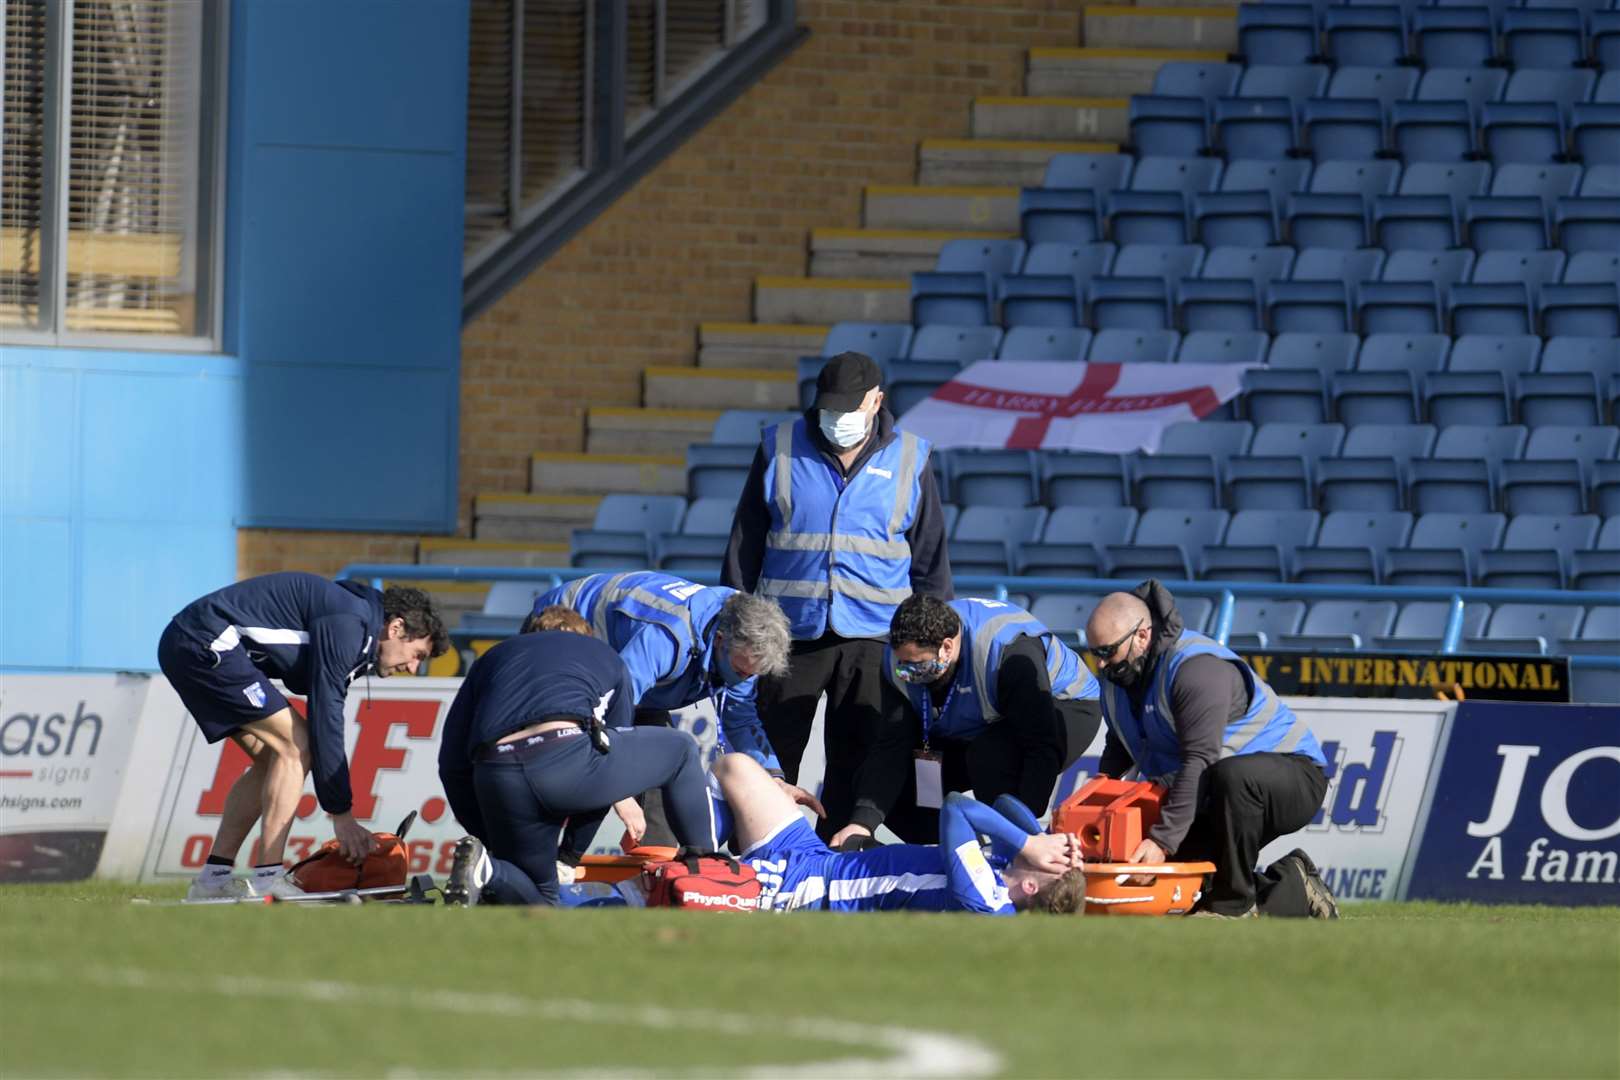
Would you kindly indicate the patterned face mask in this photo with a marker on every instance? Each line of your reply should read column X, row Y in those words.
column 920, row 672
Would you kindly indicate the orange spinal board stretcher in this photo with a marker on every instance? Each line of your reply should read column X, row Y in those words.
column 1173, row 891
column 612, row 869
column 1112, row 817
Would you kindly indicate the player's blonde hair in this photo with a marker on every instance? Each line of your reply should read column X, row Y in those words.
column 557, row 617
column 1065, row 895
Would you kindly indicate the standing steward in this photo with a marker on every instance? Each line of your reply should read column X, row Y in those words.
column 986, row 699
column 220, row 653
column 840, row 521
column 1240, row 767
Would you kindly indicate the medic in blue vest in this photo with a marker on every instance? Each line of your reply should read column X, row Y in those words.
column 1240, row 767
column 984, row 698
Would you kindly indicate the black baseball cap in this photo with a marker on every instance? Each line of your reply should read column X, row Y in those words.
column 845, row 380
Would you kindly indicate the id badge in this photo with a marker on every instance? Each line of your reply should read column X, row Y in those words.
column 930, row 782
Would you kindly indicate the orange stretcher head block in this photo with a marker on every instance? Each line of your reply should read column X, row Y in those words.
column 1109, row 816
column 612, row 869
column 1173, row 891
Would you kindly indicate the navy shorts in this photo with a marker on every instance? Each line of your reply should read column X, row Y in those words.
column 222, row 690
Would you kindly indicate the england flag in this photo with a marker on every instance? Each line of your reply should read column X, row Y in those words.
column 1109, row 408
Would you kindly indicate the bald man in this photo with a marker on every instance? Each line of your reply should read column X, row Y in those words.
column 1240, row 768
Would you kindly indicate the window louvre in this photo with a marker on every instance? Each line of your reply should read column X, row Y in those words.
column 489, row 120
column 22, row 156
column 555, row 70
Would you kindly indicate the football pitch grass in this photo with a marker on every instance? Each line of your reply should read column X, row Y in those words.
column 91, row 985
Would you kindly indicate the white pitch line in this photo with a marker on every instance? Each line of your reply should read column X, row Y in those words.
column 902, row 1052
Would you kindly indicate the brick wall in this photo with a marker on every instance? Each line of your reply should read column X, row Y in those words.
column 736, row 201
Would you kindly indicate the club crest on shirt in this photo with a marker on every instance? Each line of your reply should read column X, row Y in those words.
column 255, row 695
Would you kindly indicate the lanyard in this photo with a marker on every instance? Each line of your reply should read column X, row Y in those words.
column 927, row 708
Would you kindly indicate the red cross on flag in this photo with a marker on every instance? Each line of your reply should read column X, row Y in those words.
column 1111, row 408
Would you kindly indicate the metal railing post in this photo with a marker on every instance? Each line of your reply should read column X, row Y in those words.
column 1223, row 617
column 1454, row 627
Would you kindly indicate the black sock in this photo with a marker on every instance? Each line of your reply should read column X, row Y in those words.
column 220, row 860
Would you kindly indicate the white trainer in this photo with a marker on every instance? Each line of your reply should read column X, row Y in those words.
column 277, row 885
column 218, row 887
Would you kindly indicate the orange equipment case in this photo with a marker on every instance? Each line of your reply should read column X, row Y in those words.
column 1111, row 817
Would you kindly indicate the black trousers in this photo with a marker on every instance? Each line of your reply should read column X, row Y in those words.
column 850, row 672
column 1244, row 803
column 990, row 767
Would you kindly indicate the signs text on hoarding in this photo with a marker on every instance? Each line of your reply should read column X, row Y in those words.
column 1508, row 678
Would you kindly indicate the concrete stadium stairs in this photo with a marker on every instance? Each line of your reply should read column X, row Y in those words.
column 1076, row 102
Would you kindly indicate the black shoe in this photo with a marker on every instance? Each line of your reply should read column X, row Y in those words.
column 469, row 873
column 1318, row 897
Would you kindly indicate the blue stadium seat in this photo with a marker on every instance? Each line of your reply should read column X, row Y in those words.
column 1473, row 85
column 992, row 258
column 1168, row 125
column 742, row 427
column 1196, row 79
column 1351, row 547
column 959, row 298
column 1219, row 439
column 881, row 341
column 717, row 470
column 1177, row 481
column 1604, row 481
column 710, row 516
column 1147, row 217
column 1465, row 397
column 681, row 553
column 1545, row 182
column 1241, row 218
column 1374, row 397
column 1454, row 37
column 643, row 514
column 1402, row 442
column 1510, row 355
column 1044, row 300
column 1325, row 353
column 1044, row 343
column 1277, row 178
column 1421, row 624
column 1590, row 267
column 1118, row 346
column 1529, row 132
column 1260, row 265
column 1525, row 628
column 1415, row 353
column 1258, row 623
column 1336, row 264
column 1058, row 216
column 912, row 381
column 1542, row 487
column 993, row 477
column 1170, row 263
column 1443, row 549
column 1342, row 129
column 1095, row 526
column 1499, row 308
column 1381, row 84
column 1415, row 222
column 1128, row 303
column 1293, row 396
column 1223, row 347
column 1459, row 179
column 980, row 529
column 1082, row 262
column 1398, row 307
column 1359, row 482
column 1221, row 304
column 1329, row 221
column 1450, row 486
column 1580, row 311
column 1184, row 175
column 1568, row 398
column 1543, row 37
column 1065, row 612
column 1532, row 268
column 1505, row 222
column 1607, row 90
column 1599, row 356
column 1563, row 87
column 1276, row 33
column 1490, row 444
column 1424, row 130
column 1341, row 624
column 1595, row 133
column 1259, row 545
column 1082, row 480
column 1591, row 571
column 1097, row 173
column 961, row 344
column 1313, row 307
column 1037, row 558
column 1586, row 223
column 1365, row 178
column 1605, row 32
column 1294, row 81
column 1167, row 543
column 1374, row 36
column 1443, row 268
column 1535, row 551
column 1602, row 623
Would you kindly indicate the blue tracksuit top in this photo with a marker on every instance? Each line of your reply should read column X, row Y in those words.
column 518, row 682
column 315, row 635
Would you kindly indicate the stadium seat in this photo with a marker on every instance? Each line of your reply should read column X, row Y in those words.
column 1195, row 79
column 1168, row 543
column 1351, row 546
column 1218, row 439
column 1277, row 33
column 992, row 258
column 1454, row 37
column 1602, row 623
column 1443, row 268
column 1403, row 442
column 1469, row 84
column 1593, row 571
column 1450, row 485
column 1502, row 308
column 1341, row 624
column 1499, row 223
column 1175, row 481
column 1542, row 487
column 1465, row 397
column 1310, row 307
column 1097, row 173
column 1585, row 444
column 1308, row 441
column 1275, row 178
column 1490, row 444
column 1415, row 353
column 1415, row 222
column 1325, row 353
column 1057, row 216
column 1459, row 180
column 1565, row 398
column 1147, row 217
column 1562, row 87
column 1128, row 303
column 1260, row 265
column 1044, row 343
column 1374, row 397
column 1595, row 133
column 912, row 381
column 1043, row 300
column 1222, row 347
column 980, row 529
column 1364, row 482
column 1094, row 527
column 1443, row 549
column 1533, row 268
column 1118, row 346
column 1082, row 262
column 709, row 516
column 1365, row 178
column 1381, row 84
column 1268, row 483
column 1342, row 129
column 1284, row 396
column 1421, row 626
column 1509, row 354
column 1605, row 34
column 1237, row 218
column 682, row 553
column 1525, row 628
column 1432, row 130
column 881, row 341
column 1168, row 125
column 1529, row 132
column 1547, row 183
column 1225, row 304
column 1372, row 35
column 1064, row 613
column 1174, row 174
column 959, row 344
column 1169, row 263
column 1535, row 551
column 1586, row 223
column 1326, row 220
column 959, row 298
column 716, row 470
column 1580, row 310
column 1038, row 558
column 1604, row 484
column 1398, row 307
column 1599, row 356
column 1257, row 623
column 1543, row 37
column 1591, row 268
column 742, row 427
column 1082, row 480
column 993, row 477
column 1259, row 545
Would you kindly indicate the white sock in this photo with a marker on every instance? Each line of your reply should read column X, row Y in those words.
column 214, row 870
column 260, row 873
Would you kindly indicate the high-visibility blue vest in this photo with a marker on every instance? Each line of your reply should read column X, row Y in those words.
column 1269, row 726
column 837, row 553
column 617, row 604
column 988, row 627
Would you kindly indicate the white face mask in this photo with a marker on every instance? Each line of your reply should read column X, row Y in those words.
column 844, row 430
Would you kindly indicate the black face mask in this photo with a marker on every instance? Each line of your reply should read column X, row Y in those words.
column 1126, row 672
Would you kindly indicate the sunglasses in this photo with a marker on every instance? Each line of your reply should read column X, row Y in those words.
column 1103, row 652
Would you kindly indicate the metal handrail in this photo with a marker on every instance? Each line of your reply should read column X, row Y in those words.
column 1227, row 592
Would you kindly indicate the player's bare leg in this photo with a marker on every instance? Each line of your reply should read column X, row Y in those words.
column 269, row 790
column 757, row 802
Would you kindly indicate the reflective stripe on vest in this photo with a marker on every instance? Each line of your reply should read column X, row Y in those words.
column 617, row 592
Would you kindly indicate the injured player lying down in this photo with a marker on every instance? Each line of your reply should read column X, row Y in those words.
column 1027, row 870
